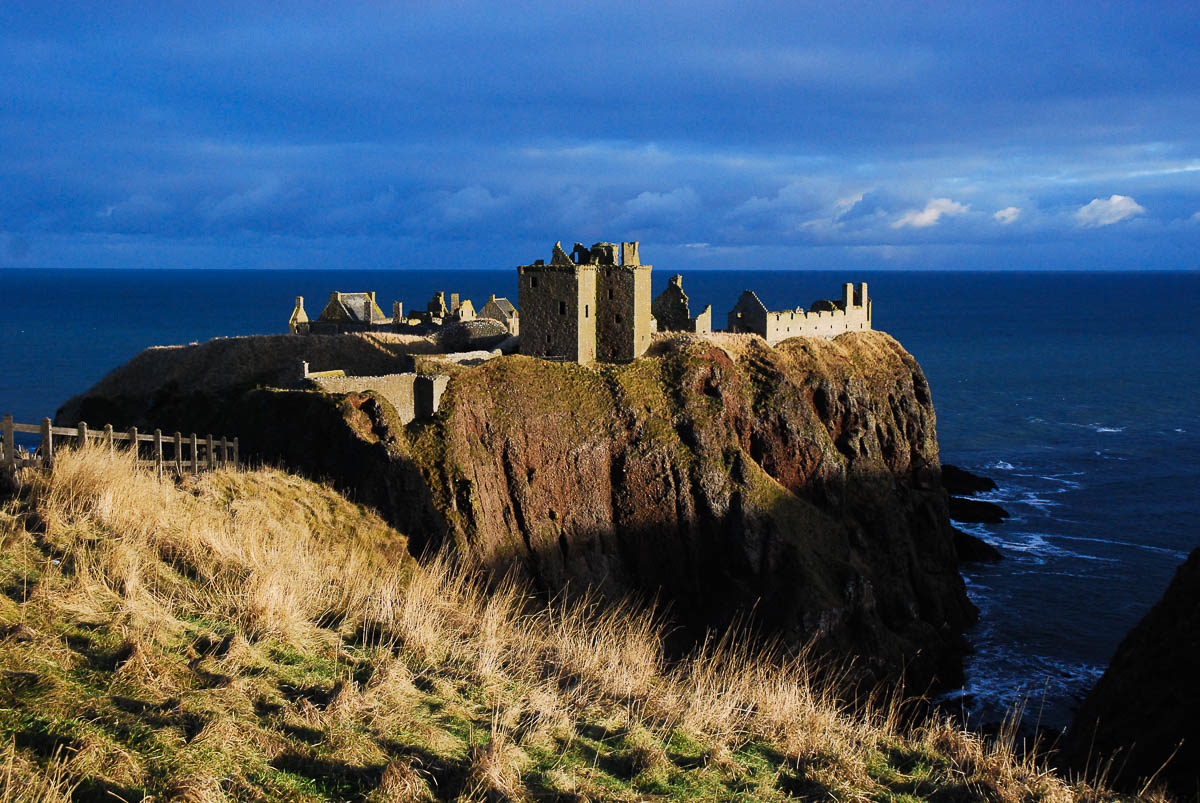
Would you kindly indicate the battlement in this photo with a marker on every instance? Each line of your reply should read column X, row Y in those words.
column 824, row 318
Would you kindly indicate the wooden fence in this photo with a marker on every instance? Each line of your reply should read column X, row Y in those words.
column 177, row 452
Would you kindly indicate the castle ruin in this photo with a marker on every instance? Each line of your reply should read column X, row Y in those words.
column 823, row 319
column 673, row 314
column 592, row 304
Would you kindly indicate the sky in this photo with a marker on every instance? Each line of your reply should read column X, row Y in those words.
column 997, row 135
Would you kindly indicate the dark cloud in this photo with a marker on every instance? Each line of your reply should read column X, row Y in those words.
column 351, row 132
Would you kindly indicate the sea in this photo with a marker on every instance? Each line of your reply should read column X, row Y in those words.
column 1078, row 392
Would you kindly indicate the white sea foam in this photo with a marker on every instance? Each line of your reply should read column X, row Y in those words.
column 1000, row 465
column 1062, row 480
column 1175, row 553
column 998, row 680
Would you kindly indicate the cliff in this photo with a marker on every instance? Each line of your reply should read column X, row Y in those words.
column 1143, row 712
column 719, row 475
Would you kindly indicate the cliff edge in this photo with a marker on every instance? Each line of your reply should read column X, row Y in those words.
column 1142, row 713
column 722, row 476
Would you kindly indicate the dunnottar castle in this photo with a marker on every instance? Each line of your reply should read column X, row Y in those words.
column 593, row 304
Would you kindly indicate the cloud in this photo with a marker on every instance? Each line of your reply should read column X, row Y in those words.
column 1196, row 217
column 1007, row 215
column 873, row 204
column 931, row 214
column 651, row 209
column 1105, row 213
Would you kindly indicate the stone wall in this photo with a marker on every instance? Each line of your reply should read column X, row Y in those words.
column 623, row 304
column 748, row 315
column 671, row 308
column 412, row 395
column 558, row 311
column 825, row 319
column 674, row 314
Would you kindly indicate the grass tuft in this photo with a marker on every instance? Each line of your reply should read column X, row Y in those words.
column 251, row 635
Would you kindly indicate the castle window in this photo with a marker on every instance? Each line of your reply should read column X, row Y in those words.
column 610, row 294
column 562, row 308
column 547, row 338
column 585, row 310
column 618, row 318
column 533, row 281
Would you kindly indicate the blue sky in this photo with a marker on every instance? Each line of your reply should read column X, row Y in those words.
column 725, row 135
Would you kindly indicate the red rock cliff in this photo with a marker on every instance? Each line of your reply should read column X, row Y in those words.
column 799, row 482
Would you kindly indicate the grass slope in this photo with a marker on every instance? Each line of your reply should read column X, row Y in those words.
column 254, row 636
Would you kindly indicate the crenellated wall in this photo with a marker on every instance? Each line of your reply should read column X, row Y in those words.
column 824, row 319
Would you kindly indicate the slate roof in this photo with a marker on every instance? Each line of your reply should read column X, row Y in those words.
column 503, row 304
column 356, row 307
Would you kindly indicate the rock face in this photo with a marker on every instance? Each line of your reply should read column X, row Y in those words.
column 720, row 476
column 959, row 482
column 1148, row 700
column 976, row 511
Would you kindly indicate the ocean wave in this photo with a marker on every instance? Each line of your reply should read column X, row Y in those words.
column 1094, row 426
column 998, row 681
column 1039, row 548
column 1000, row 465
column 1175, row 553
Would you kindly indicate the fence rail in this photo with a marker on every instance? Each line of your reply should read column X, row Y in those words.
column 176, row 452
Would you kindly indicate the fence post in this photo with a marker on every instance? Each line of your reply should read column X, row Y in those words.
column 212, row 463
column 178, row 454
column 47, row 443
column 133, row 445
column 108, row 437
column 83, row 434
column 235, row 450
column 195, row 454
column 10, row 444
column 158, row 451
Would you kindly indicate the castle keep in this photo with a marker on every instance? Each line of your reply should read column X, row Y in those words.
column 592, row 304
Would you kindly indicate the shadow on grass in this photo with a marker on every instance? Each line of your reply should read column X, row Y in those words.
column 342, row 779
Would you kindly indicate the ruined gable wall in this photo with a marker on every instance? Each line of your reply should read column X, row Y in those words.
column 671, row 309
column 748, row 316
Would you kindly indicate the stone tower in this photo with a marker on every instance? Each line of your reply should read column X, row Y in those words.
column 593, row 303
column 558, row 308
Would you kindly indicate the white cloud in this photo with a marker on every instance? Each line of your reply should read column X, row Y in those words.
column 1007, row 215
column 1105, row 213
column 1196, row 217
column 931, row 214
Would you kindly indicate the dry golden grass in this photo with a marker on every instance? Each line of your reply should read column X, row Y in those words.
column 22, row 781
column 287, row 646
